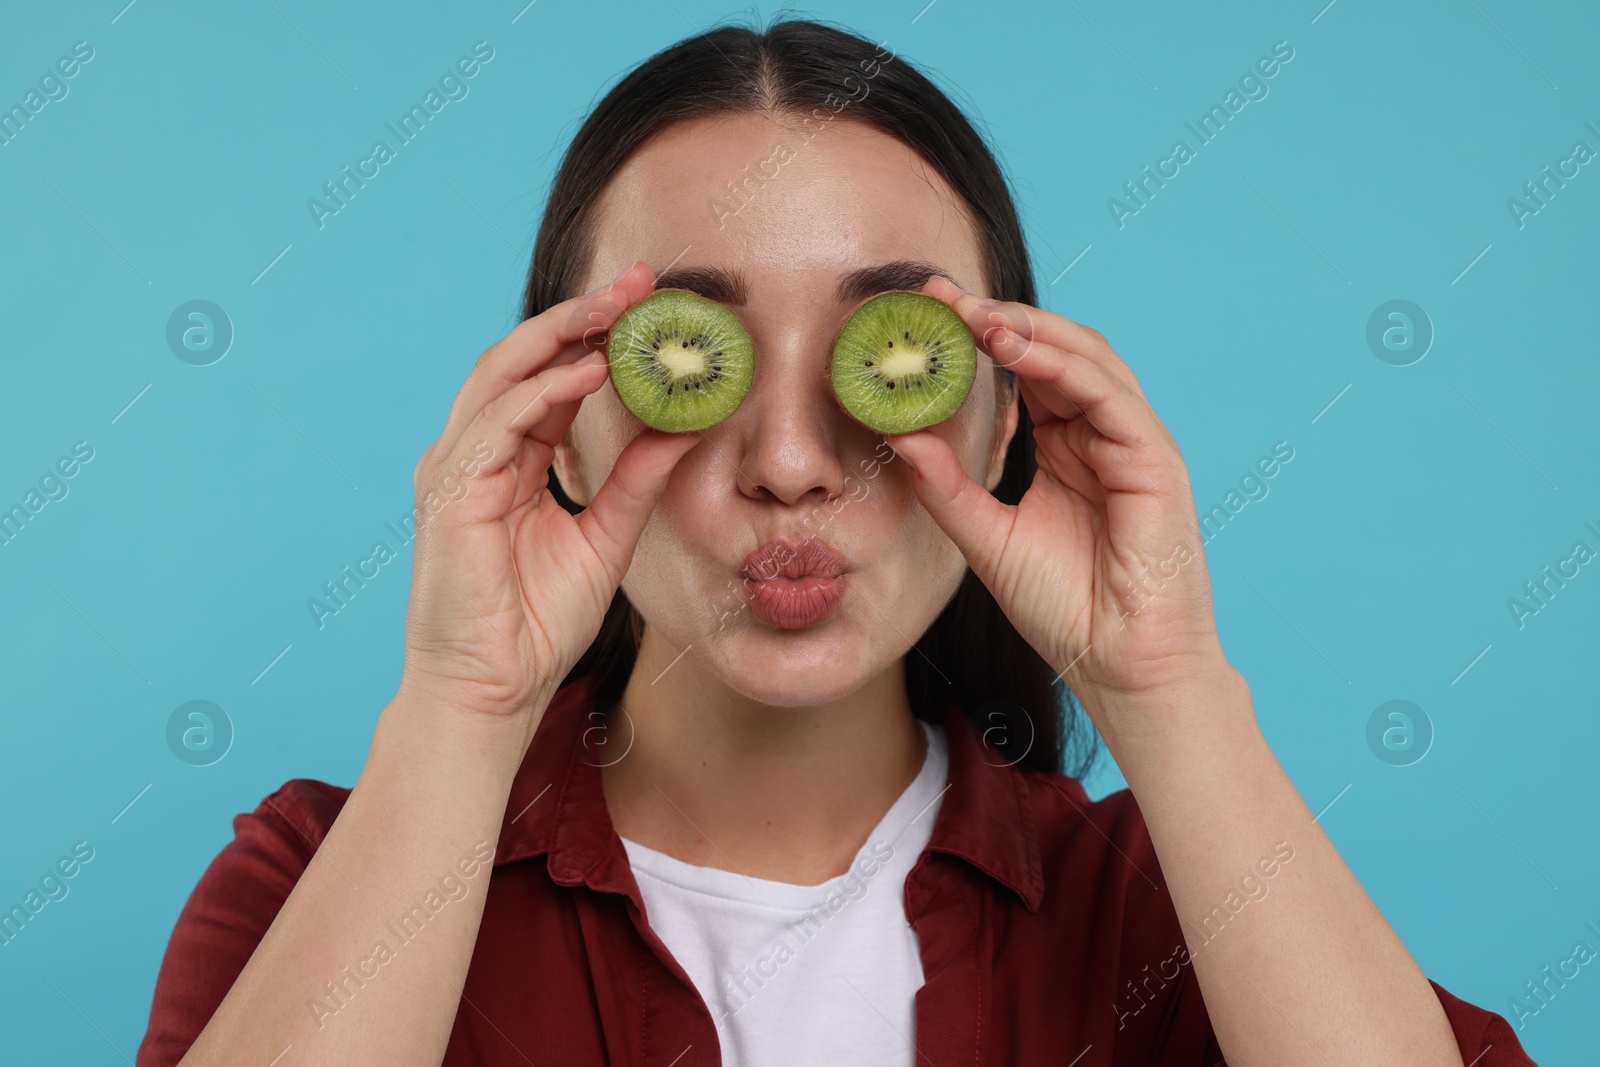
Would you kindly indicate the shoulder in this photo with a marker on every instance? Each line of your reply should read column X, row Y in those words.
column 230, row 909
column 1106, row 907
column 283, row 831
column 1103, row 881
column 303, row 807
column 271, row 848
column 1108, row 835
column 1105, row 892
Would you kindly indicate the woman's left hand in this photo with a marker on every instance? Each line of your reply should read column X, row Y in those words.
column 1101, row 566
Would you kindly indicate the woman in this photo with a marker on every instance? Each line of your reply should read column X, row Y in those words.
column 623, row 809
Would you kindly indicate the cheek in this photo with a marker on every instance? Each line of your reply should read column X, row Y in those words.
column 919, row 558
column 970, row 431
column 601, row 430
column 970, row 435
column 680, row 564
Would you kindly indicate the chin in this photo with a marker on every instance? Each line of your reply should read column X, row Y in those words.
column 792, row 668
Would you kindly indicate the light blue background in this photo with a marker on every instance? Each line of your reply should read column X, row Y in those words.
column 1378, row 567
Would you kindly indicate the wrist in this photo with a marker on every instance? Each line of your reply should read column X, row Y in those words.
column 1204, row 704
column 446, row 730
column 450, row 690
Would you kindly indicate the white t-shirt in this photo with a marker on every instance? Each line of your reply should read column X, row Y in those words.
column 805, row 974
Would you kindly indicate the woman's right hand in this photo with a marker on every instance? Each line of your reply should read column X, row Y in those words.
column 508, row 589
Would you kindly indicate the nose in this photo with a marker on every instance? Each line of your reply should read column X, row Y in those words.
column 788, row 432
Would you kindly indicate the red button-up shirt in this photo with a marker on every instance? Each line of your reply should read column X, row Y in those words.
column 1045, row 931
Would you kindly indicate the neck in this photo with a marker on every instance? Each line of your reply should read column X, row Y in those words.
column 789, row 794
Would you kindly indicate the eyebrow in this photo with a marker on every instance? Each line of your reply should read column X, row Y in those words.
column 730, row 286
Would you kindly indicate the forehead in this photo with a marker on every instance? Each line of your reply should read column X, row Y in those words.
column 790, row 206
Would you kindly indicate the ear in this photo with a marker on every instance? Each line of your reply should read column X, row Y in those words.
column 566, row 470
column 1005, row 429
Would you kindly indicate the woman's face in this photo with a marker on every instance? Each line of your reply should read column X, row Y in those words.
column 789, row 462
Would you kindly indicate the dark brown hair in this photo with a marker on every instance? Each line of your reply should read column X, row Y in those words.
column 798, row 67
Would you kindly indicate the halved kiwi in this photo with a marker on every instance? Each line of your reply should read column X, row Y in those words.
column 903, row 362
column 680, row 362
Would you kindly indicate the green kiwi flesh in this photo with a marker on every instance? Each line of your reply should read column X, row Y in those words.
column 679, row 361
column 903, row 362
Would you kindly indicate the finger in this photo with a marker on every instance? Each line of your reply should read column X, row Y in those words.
column 1038, row 415
column 563, row 333
column 1072, row 453
column 1063, row 445
column 1037, row 344
column 968, row 513
column 538, row 410
column 618, row 513
column 1033, row 324
column 1106, row 427
column 1047, row 406
column 1068, row 385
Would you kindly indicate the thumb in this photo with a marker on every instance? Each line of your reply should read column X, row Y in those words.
column 618, row 513
column 967, row 512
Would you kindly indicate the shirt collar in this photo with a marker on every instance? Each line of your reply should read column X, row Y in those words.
column 557, row 804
